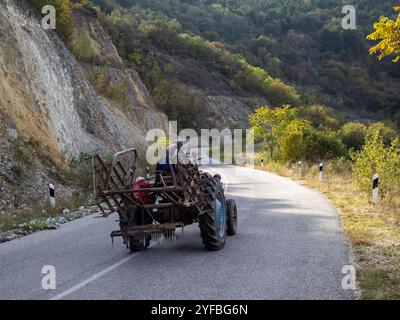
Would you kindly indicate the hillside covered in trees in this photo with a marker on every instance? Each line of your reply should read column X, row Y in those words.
column 300, row 42
column 216, row 63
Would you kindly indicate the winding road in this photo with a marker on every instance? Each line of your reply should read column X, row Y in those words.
column 290, row 245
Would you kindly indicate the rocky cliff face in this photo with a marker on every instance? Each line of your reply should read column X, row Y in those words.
column 49, row 109
column 136, row 106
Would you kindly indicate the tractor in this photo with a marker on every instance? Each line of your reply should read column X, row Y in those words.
column 176, row 195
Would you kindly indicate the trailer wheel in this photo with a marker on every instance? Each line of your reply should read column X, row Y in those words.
column 213, row 222
column 231, row 211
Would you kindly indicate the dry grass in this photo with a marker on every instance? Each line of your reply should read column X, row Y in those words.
column 12, row 220
column 373, row 230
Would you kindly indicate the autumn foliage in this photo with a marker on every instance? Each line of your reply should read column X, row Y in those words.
column 387, row 31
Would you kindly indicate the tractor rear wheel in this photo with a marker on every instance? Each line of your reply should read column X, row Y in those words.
column 138, row 243
column 213, row 222
column 231, row 211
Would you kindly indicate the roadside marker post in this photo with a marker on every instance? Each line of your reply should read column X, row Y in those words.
column 52, row 195
column 375, row 188
column 300, row 168
column 262, row 163
column 321, row 171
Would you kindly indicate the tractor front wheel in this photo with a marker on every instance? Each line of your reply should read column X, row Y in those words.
column 231, row 210
column 138, row 243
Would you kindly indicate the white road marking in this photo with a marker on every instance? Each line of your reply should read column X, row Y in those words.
column 96, row 276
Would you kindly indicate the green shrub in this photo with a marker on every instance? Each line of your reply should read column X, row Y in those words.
column 386, row 131
column 322, row 144
column 292, row 145
column 102, row 82
column 80, row 171
column 270, row 125
column 376, row 158
column 84, row 47
column 353, row 135
column 180, row 104
column 341, row 166
column 320, row 116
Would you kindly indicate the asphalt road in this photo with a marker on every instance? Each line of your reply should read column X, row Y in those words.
column 289, row 245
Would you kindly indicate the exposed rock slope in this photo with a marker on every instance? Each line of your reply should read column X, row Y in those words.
column 49, row 109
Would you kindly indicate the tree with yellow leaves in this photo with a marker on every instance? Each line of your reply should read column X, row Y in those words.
column 269, row 124
column 387, row 31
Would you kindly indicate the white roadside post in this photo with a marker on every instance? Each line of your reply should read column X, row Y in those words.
column 262, row 163
column 52, row 195
column 375, row 188
column 300, row 168
column 321, row 171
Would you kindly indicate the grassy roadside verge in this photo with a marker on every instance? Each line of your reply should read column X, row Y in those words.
column 70, row 205
column 17, row 224
column 36, row 213
column 373, row 230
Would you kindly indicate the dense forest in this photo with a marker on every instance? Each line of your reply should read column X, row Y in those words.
column 290, row 51
column 301, row 42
